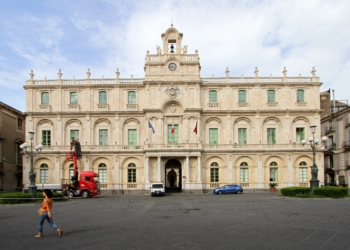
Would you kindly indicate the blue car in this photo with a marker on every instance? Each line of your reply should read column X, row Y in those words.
column 229, row 189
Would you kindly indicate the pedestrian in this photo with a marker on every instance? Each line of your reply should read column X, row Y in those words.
column 46, row 209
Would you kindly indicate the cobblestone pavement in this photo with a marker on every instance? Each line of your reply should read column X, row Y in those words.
column 183, row 221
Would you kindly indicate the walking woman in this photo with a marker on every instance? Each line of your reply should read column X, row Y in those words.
column 46, row 214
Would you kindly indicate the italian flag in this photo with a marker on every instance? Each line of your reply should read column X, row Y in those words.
column 173, row 128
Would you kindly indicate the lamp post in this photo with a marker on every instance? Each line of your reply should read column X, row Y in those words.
column 314, row 182
column 32, row 175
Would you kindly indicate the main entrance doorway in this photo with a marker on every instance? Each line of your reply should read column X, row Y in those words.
column 173, row 173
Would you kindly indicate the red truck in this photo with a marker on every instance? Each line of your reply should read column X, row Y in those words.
column 86, row 183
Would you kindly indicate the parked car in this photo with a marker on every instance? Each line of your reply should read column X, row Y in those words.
column 229, row 189
column 157, row 189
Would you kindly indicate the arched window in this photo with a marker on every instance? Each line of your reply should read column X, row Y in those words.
column 273, row 171
column 102, row 97
column 244, row 172
column 73, row 97
column 214, row 172
column 300, row 95
column 302, row 172
column 45, row 98
column 132, row 173
column 44, row 173
column 102, row 172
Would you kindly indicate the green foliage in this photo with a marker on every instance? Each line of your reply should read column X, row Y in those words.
column 295, row 191
column 273, row 184
column 334, row 192
column 18, row 198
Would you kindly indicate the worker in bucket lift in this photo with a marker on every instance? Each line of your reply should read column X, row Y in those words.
column 76, row 154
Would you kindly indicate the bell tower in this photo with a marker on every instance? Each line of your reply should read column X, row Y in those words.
column 172, row 41
column 172, row 63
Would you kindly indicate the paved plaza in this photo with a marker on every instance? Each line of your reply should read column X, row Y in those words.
column 183, row 221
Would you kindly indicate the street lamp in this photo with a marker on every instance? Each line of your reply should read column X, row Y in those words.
column 314, row 182
column 32, row 187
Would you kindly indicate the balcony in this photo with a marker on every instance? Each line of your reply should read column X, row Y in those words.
column 243, row 104
column 73, row 106
column 329, row 130
column 301, row 104
column 330, row 148
column 272, row 104
column 45, row 107
column 346, row 145
column 213, row 104
column 131, row 106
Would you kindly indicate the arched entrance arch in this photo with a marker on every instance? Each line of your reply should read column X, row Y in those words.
column 173, row 174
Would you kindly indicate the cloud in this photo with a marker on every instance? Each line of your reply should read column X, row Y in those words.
column 241, row 35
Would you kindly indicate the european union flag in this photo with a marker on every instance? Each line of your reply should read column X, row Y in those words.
column 151, row 127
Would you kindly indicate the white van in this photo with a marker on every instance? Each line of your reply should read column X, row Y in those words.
column 157, row 188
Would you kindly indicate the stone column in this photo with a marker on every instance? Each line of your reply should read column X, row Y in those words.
column 147, row 170
column 187, row 168
column 159, row 172
column 199, row 170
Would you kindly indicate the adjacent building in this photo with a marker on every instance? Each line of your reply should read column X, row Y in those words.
column 336, row 126
column 12, row 128
column 193, row 133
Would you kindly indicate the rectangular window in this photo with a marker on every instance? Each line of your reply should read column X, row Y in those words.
column 46, row 138
column 300, row 95
column 303, row 174
column 213, row 136
column 131, row 175
column 102, row 175
column 214, row 175
column 131, row 97
column 273, row 174
column 44, row 98
column 242, row 136
column 103, row 137
column 73, row 98
column 213, row 96
column 243, row 175
column 271, row 136
column 44, row 176
column 300, row 132
column 74, row 135
column 271, row 97
column 173, row 137
column 102, row 97
column 132, row 137
column 19, row 124
column 242, row 96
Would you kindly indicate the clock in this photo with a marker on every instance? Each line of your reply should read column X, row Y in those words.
column 172, row 66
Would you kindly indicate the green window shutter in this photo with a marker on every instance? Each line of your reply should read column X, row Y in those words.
column 302, row 134
column 102, row 97
column 132, row 137
column 271, row 97
column 74, row 135
column 242, row 97
column 300, row 95
column 173, row 138
column 242, row 136
column 271, row 136
column 73, row 98
column 46, row 137
column 131, row 97
column 213, row 96
column 45, row 98
column 213, row 136
column 103, row 137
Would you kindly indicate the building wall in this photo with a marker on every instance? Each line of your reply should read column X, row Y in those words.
column 181, row 97
column 12, row 127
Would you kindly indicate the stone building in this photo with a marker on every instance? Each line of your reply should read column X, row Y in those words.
column 335, row 124
column 191, row 132
column 12, row 127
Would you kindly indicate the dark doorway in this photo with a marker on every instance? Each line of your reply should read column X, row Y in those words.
column 173, row 175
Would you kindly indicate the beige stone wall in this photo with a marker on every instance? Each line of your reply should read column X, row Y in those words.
column 179, row 96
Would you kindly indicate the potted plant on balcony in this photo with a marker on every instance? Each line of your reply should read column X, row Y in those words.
column 273, row 186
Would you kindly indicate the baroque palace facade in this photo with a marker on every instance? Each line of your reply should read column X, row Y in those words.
column 191, row 133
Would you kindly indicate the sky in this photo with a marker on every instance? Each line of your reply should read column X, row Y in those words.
column 103, row 35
